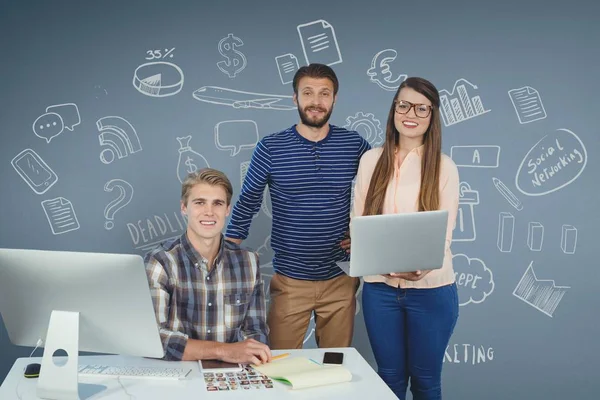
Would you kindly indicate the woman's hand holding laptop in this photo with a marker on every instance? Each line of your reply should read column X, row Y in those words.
column 409, row 276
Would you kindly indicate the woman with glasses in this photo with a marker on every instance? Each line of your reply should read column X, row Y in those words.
column 410, row 316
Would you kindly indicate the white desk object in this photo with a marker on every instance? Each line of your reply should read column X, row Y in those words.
column 365, row 382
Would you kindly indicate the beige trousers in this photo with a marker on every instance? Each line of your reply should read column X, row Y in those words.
column 294, row 300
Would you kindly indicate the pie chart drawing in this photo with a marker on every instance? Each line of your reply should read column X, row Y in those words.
column 158, row 79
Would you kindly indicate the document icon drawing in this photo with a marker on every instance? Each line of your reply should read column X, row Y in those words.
column 319, row 43
column 528, row 104
column 287, row 65
column 61, row 215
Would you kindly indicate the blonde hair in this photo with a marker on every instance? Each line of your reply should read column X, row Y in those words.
column 210, row 176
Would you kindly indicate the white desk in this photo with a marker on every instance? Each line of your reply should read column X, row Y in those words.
column 365, row 382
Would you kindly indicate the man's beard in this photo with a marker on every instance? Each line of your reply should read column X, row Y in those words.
column 316, row 123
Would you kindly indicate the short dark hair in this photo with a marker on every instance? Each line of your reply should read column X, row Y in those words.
column 316, row 71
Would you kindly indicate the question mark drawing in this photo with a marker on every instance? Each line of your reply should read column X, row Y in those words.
column 124, row 198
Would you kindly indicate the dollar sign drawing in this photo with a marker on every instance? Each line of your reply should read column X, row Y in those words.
column 191, row 167
column 236, row 60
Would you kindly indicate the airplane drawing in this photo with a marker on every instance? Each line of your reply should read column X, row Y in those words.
column 242, row 99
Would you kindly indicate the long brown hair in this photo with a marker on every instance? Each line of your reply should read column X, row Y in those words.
column 429, row 195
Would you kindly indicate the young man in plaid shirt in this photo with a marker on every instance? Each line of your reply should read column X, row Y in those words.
column 208, row 293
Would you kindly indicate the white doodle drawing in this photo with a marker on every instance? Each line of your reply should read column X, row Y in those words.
column 287, row 65
column 507, row 194
column 319, row 43
column 380, row 73
column 483, row 156
column 310, row 331
column 368, row 126
column 265, row 249
column 265, row 254
column 266, row 203
column 159, row 55
column 467, row 353
column 236, row 135
column 149, row 232
column 235, row 60
column 535, row 236
column 189, row 160
column 47, row 126
column 57, row 117
column 242, row 99
column 61, row 215
column 474, row 278
column 100, row 92
column 554, row 162
column 124, row 198
column 468, row 199
column 506, row 231
column 458, row 105
column 528, row 104
column 69, row 113
column 34, row 171
column 568, row 239
column 119, row 136
column 158, row 79
column 541, row 294
column 266, row 272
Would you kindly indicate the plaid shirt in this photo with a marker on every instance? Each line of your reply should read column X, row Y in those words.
column 225, row 304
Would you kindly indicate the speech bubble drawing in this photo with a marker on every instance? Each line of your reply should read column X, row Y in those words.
column 551, row 164
column 236, row 135
column 474, row 280
column 48, row 126
column 68, row 112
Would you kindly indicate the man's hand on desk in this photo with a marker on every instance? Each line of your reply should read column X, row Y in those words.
column 249, row 351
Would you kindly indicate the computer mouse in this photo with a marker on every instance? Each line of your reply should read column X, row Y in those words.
column 32, row 370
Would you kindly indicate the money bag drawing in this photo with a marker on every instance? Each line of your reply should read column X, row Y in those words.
column 189, row 160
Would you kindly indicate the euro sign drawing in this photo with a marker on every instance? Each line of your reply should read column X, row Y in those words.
column 236, row 61
column 380, row 70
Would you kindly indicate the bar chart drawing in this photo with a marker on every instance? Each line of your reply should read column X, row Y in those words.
column 541, row 294
column 459, row 105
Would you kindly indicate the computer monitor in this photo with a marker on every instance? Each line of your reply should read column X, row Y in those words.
column 76, row 301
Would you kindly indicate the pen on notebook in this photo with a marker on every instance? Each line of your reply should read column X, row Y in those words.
column 508, row 195
column 280, row 356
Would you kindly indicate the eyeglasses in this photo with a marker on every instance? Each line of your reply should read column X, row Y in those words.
column 421, row 110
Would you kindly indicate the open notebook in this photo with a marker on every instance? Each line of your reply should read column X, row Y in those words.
column 300, row 372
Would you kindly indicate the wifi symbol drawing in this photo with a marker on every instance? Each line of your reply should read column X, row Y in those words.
column 119, row 136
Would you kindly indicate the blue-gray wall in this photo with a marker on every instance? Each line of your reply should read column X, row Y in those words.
column 520, row 79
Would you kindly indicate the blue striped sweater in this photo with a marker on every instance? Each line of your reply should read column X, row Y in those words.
column 310, row 185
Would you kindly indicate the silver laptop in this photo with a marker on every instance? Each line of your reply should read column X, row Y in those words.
column 387, row 243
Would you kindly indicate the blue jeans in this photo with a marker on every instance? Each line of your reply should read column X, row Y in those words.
column 409, row 330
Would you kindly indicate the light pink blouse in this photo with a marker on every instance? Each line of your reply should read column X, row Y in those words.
column 402, row 197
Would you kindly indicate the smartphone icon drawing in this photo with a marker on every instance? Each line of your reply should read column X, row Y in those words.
column 34, row 171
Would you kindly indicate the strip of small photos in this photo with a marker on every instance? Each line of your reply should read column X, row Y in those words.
column 247, row 379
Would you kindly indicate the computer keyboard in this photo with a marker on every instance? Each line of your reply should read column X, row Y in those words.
column 106, row 371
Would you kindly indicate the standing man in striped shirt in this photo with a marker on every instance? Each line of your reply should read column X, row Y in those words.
column 309, row 169
column 208, row 293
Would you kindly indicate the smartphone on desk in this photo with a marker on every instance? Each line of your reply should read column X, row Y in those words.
column 333, row 358
column 220, row 366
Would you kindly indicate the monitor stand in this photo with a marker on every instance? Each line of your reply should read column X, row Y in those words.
column 60, row 382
